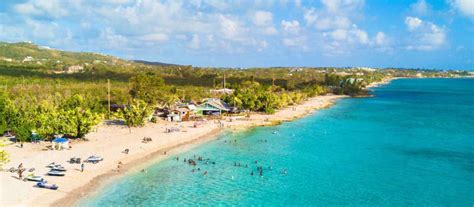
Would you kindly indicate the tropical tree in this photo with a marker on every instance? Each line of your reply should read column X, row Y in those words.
column 80, row 118
column 136, row 113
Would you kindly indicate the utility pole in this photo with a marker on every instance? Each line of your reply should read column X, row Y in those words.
column 223, row 86
column 108, row 95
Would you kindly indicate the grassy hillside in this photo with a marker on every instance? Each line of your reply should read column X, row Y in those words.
column 19, row 52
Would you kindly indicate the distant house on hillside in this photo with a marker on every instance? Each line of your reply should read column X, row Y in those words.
column 74, row 69
column 28, row 59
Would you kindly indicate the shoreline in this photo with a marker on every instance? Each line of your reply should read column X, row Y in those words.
column 79, row 185
column 98, row 182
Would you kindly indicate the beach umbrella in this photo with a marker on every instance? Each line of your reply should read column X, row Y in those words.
column 60, row 143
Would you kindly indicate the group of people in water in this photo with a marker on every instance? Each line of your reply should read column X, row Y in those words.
column 198, row 160
column 194, row 162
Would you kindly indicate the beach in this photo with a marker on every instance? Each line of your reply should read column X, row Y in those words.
column 109, row 142
column 387, row 150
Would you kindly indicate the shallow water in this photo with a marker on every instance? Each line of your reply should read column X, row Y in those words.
column 410, row 145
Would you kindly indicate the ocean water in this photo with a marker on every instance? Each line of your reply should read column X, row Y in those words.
column 412, row 144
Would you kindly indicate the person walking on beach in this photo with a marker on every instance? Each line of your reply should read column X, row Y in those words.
column 119, row 166
column 82, row 167
column 20, row 173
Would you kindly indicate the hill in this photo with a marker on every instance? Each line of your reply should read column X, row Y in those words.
column 155, row 63
column 20, row 51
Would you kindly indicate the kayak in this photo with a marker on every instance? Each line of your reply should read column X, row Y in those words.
column 94, row 159
column 35, row 178
column 58, row 168
column 56, row 173
column 47, row 186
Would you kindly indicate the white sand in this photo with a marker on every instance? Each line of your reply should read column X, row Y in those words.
column 109, row 142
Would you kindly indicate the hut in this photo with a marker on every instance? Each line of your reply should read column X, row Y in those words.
column 212, row 106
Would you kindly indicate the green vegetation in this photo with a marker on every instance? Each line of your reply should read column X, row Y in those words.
column 136, row 113
column 74, row 116
column 58, row 92
column 3, row 155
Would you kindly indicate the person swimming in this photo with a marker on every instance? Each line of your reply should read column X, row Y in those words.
column 251, row 173
column 205, row 173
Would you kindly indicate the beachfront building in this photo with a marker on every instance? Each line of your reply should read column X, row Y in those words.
column 182, row 112
column 212, row 106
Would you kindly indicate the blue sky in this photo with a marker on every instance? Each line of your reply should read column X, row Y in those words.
column 374, row 33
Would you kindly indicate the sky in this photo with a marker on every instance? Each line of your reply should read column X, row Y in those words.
column 431, row 34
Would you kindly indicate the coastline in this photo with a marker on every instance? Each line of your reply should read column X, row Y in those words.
column 75, row 185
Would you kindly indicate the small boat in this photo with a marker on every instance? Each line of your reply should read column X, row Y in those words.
column 94, row 159
column 56, row 173
column 58, row 168
column 47, row 186
column 35, row 178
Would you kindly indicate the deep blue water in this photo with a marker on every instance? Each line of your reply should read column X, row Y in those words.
column 412, row 144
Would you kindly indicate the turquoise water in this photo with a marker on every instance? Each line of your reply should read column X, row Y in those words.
column 410, row 145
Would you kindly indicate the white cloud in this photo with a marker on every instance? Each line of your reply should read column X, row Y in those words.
column 351, row 36
column 334, row 23
column 156, row 37
column 112, row 40
column 195, row 42
column 381, row 39
column 270, row 30
column 425, row 35
column 361, row 36
column 264, row 21
column 420, row 7
column 310, row 16
column 231, row 29
column 298, row 3
column 465, row 7
column 339, row 35
column 294, row 42
column 42, row 30
column 50, row 8
column 290, row 26
column 262, row 18
column 413, row 23
column 338, row 6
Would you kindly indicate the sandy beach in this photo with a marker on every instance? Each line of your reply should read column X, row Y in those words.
column 109, row 142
